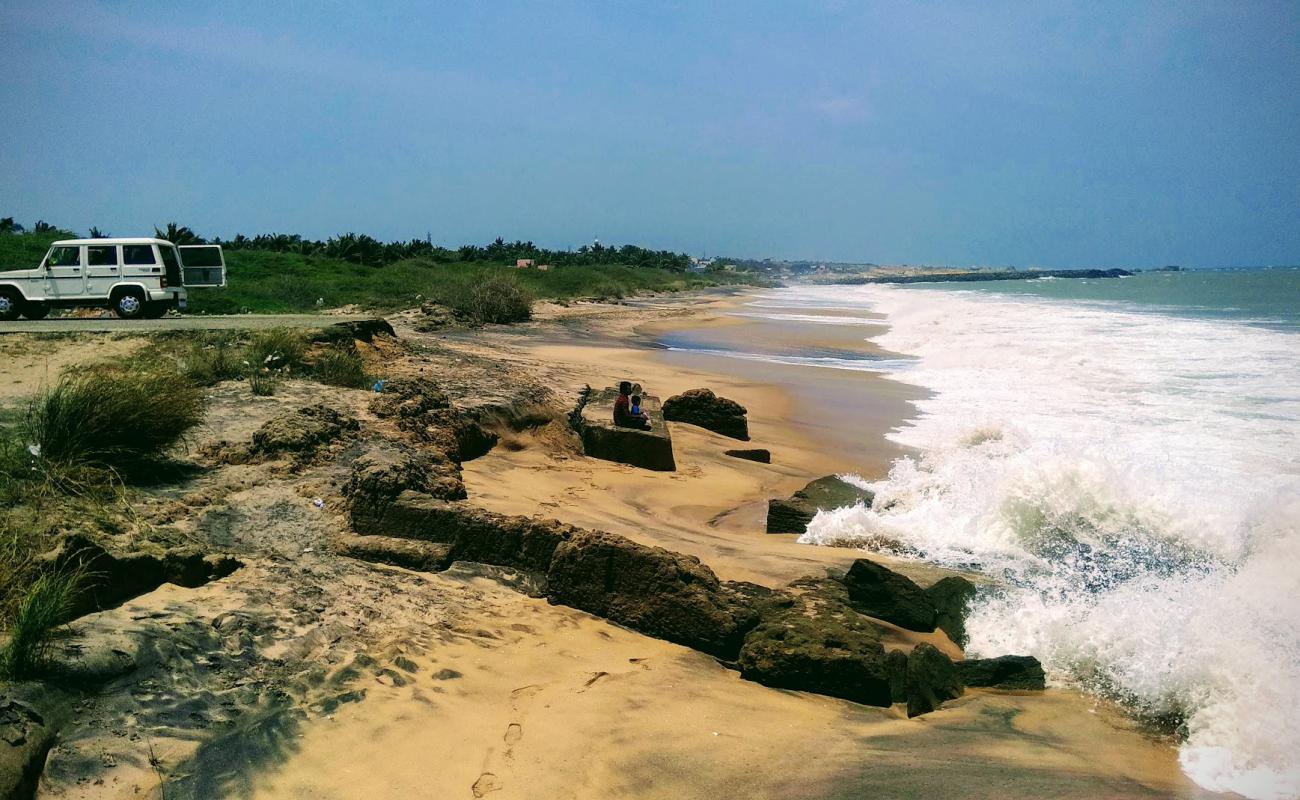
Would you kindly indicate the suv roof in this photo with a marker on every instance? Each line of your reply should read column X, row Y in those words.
column 110, row 241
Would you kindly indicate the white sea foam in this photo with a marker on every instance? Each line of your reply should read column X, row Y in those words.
column 1134, row 480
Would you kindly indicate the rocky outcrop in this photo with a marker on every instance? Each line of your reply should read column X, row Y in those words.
column 1003, row 672
column 423, row 410
column 435, row 317
column 664, row 594
column 951, row 598
column 361, row 330
column 408, row 553
column 112, row 577
column 649, row 589
column 301, row 432
column 818, row 635
column 810, row 640
column 792, row 515
column 601, row 438
column 931, row 679
column 880, row 592
column 381, row 474
column 759, row 454
column 704, row 408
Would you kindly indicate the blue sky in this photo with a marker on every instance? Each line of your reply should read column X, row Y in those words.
column 1090, row 134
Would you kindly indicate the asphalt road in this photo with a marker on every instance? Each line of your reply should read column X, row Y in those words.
column 183, row 323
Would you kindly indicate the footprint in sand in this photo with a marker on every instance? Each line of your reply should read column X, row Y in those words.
column 514, row 732
column 487, row 782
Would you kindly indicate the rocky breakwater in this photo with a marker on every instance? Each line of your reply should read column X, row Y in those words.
column 819, row 635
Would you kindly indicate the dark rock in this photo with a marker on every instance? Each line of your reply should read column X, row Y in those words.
column 789, row 516
column 833, row 492
column 758, row 454
column 362, row 330
column 601, row 438
column 1003, row 672
column 823, row 494
column 664, row 594
column 27, row 731
column 897, row 663
column 880, row 592
column 950, row 597
column 931, row 679
column 303, row 431
column 811, row 640
column 704, row 408
column 474, row 534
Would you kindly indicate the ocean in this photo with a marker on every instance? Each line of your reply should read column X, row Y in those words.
column 1123, row 457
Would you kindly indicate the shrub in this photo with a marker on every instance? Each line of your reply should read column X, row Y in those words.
column 99, row 417
column 263, row 383
column 48, row 602
column 277, row 349
column 499, row 299
column 211, row 364
column 338, row 367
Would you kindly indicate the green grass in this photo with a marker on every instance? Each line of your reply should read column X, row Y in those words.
column 46, row 604
column 280, row 283
column 102, row 417
column 339, row 367
column 277, row 349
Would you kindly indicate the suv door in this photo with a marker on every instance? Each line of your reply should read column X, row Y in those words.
column 64, row 277
column 205, row 265
column 103, row 269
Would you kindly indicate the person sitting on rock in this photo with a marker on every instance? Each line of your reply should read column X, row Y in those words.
column 636, row 411
column 623, row 416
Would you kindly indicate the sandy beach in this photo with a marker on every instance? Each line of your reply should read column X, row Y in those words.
column 399, row 683
column 550, row 703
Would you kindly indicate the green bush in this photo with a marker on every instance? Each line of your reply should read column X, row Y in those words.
column 499, row 299
column 277, row 349
column 263, row 383
column 47, row 603
column 210, row 364
column 338, row 367
column 101, row 417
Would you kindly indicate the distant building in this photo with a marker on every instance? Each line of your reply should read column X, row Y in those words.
column 542, row 267
column 524, row 263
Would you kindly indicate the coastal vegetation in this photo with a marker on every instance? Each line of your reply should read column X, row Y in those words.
column 286, row 273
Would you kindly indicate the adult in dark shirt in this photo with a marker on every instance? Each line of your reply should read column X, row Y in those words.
column 623, row 409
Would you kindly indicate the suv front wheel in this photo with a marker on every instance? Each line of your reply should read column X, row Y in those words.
column 129, row 305
column 10, row 305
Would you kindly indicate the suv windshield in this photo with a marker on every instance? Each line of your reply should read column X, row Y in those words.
column 64, row 257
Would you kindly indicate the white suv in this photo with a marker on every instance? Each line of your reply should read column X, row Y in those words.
column 136, row 278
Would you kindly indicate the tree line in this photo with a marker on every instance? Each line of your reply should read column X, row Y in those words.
column 359, row 248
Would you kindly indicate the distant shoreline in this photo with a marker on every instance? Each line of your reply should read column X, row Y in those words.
column 969, row 276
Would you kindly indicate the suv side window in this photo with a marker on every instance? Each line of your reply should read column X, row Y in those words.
column 64, row 257
column 101, row 256
column 136, row 254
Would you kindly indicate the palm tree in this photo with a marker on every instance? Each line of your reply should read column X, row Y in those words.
column 178, row 234
column 96, row 233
